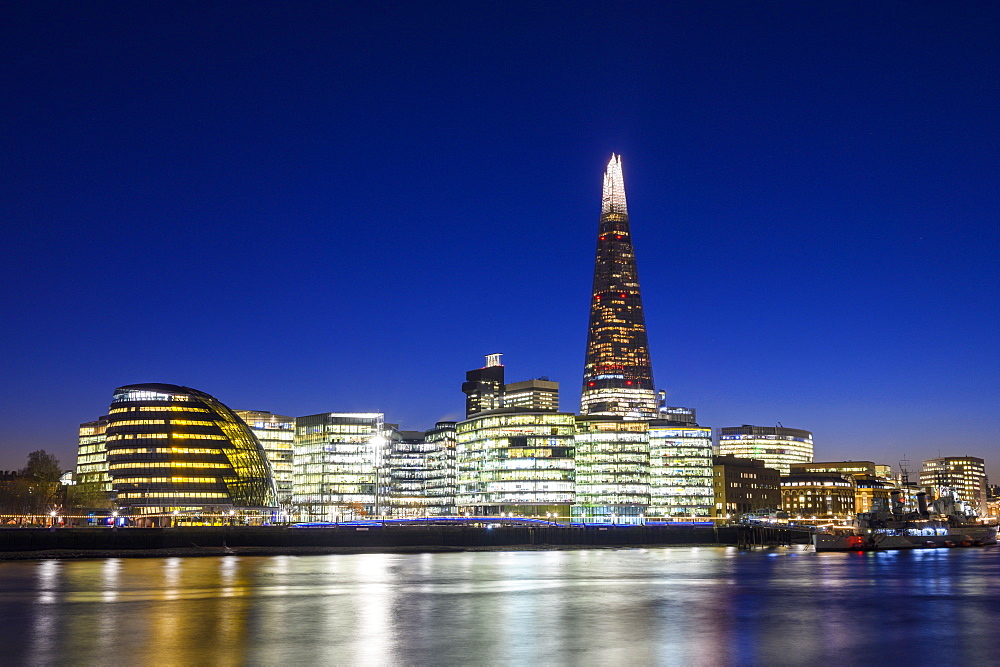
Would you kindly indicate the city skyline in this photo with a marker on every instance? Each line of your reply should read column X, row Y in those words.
column 246, row 205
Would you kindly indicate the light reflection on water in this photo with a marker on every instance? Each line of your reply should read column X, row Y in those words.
column 658, row 606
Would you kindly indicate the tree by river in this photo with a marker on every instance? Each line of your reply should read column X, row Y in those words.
column 34, row 489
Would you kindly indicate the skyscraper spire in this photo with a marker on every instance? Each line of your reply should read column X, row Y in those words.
column 617, row 376
column 613, row 199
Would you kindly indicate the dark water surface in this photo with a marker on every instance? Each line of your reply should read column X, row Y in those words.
column 673, row 606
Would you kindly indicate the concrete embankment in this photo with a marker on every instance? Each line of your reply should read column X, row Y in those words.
column 101, row 542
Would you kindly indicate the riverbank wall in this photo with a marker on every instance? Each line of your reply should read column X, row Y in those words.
column 368, row 537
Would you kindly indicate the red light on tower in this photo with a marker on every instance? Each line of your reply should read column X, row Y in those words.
column 591, row 384
column 628, row 382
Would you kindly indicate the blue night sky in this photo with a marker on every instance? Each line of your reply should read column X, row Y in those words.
column 308, row 207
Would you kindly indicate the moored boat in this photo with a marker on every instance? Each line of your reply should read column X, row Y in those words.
column 884, row 529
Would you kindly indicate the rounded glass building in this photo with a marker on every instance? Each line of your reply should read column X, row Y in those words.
column 176, row 449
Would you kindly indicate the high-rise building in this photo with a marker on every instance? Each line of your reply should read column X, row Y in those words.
column 483, row 387
column 612, row 470
column 276, row 434
column 172, row 448
column 533, row 395
column 680, row 470
column 515, row 461
column 93, row 481
column 618, row 376
column 409, row 468
column 441, row 475
column 340, row 465
column 963, row 475
column 777, row 446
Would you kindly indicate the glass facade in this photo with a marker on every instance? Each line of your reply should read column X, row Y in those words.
column 513, row 461
column 441, row 469
column 339, row 465
column 175, row 448
column 680, row 471
column 409, row 470
column 93, row 481
column 776, row 446
column 618, row 375
column 612, row 470
column 276, row 434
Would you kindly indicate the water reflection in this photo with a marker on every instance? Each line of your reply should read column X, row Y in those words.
column 657, row 606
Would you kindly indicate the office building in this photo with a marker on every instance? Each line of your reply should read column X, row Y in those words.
column 680, row 469
column 965, row 476
column 276, row 434
column 852, row 468
column 612, row 470
column 618, row 375
column 409, row 470
column 538, row 395
column 871, row 483
column 514, row 462
column 172, row 448
column 742, row 486
column 483, row 387
column 441, row 469
column 93, row 481
column 778, row 447
column 340, row 465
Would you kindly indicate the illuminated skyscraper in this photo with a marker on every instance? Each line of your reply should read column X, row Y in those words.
column 483, row 387
column 617, row 377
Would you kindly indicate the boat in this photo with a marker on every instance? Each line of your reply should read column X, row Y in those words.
column 946, row 524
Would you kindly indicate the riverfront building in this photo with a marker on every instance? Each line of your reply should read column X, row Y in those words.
column 172, row 448
column 778, row 447
column 441, row 469
column 964, row 475
column 824, row 496
column 93, row 481
column 871, row 481
column 276, row 434
column 339, row 465
column 680, row 470
column 513, row 461
column 742, row 486
column 618, row 375
column 612, row 470
column 409, row 470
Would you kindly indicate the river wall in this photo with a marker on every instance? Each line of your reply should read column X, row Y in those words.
column 457, row 537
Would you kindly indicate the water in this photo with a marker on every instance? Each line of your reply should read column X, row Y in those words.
column 676, row 606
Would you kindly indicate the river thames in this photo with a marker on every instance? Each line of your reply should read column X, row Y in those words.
column 670, row 606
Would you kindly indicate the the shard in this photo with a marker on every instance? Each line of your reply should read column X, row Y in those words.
column 618, row 377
